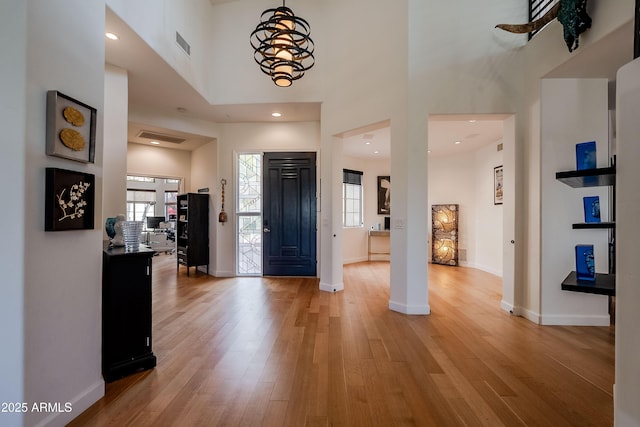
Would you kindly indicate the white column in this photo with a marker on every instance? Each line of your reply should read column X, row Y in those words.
column 627, row 385
column 116, row 107
column 331, row 215
column 409, row 215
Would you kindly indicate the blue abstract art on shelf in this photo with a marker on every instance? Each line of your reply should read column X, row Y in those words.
column 585, row 263
column 586, row 155
column 591, row 209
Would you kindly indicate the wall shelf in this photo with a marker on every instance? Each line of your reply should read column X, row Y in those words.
column 588, row 177
column 605, row 284
column 594, row 225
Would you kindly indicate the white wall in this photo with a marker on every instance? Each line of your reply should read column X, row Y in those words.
column 157, row 22
column 204, row 173
column 62, row 270
column 147, row 160
column 489, row 216
column 627, row 384
column 573, row 111
column 466, row 179
column 13, row 118
column 355, row 239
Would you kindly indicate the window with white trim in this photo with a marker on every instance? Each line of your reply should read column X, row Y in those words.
column 352, row 215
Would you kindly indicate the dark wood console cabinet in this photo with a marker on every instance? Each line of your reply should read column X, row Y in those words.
column 126, row 312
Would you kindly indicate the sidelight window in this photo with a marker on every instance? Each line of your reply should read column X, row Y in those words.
column 249, row 211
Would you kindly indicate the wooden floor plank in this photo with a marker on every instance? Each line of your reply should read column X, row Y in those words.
column 279, row 352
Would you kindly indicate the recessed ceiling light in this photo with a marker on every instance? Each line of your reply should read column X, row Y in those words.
column 458, row 142
column 472, row 121
column 276, row 114
column 155, row 143
column 376, row 152
column 428, row 151
column 367, row 143
column 112, row 36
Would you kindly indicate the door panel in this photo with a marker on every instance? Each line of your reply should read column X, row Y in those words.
column 289, row 216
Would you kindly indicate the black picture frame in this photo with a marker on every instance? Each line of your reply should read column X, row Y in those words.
column 384, row 195
column 71, row 128
column 498, row 185
column 69, row 200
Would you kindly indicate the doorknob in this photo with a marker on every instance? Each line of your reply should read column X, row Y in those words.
column 266, row 230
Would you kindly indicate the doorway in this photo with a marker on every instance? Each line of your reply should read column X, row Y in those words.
column 276, row 209
column 488, row 231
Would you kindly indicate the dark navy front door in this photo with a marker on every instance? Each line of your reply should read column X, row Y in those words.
column 289, row 215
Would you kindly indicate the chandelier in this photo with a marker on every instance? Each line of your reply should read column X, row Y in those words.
column 282, row 46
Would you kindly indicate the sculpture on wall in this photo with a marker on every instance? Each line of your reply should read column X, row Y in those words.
column 572, row 14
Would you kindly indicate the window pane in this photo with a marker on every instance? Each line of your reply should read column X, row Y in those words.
column 171, row 197
column 249, row 183
column 249, row 205
column 249, row 245
column 140, row 178
column 352, row 205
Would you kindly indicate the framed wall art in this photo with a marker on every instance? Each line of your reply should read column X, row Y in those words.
column 384, row 195
column 69, row 200
column 71, row 128
column 497, row 185
column 444, row 234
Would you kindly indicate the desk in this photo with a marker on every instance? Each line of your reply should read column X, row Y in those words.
column 377, row 233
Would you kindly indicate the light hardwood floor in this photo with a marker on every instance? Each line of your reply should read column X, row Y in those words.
column 278, row 352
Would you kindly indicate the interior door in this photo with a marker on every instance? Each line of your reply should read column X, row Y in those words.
column 289, row 214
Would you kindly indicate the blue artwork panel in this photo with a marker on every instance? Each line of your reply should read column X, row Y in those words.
column 585, row 263
column 586, row 155
column 591, row 209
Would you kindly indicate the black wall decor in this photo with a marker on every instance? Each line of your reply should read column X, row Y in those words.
column 384, row 195
column 69, row 200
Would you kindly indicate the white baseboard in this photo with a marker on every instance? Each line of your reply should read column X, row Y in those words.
column 409, row 309
column 481, row 267
column 223, row 273
column 79, row 404
column 354, row 260
column 519, row 311
column 575, row 320
column 328, row 287
column 508, row 307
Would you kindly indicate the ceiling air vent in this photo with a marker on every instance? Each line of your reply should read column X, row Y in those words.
column 160, row 137
column 500, row 147
column 183, row 44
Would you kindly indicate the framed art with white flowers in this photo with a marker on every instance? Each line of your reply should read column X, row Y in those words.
column 69, row 200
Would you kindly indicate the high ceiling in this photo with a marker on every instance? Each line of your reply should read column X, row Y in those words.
column 153, row 82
